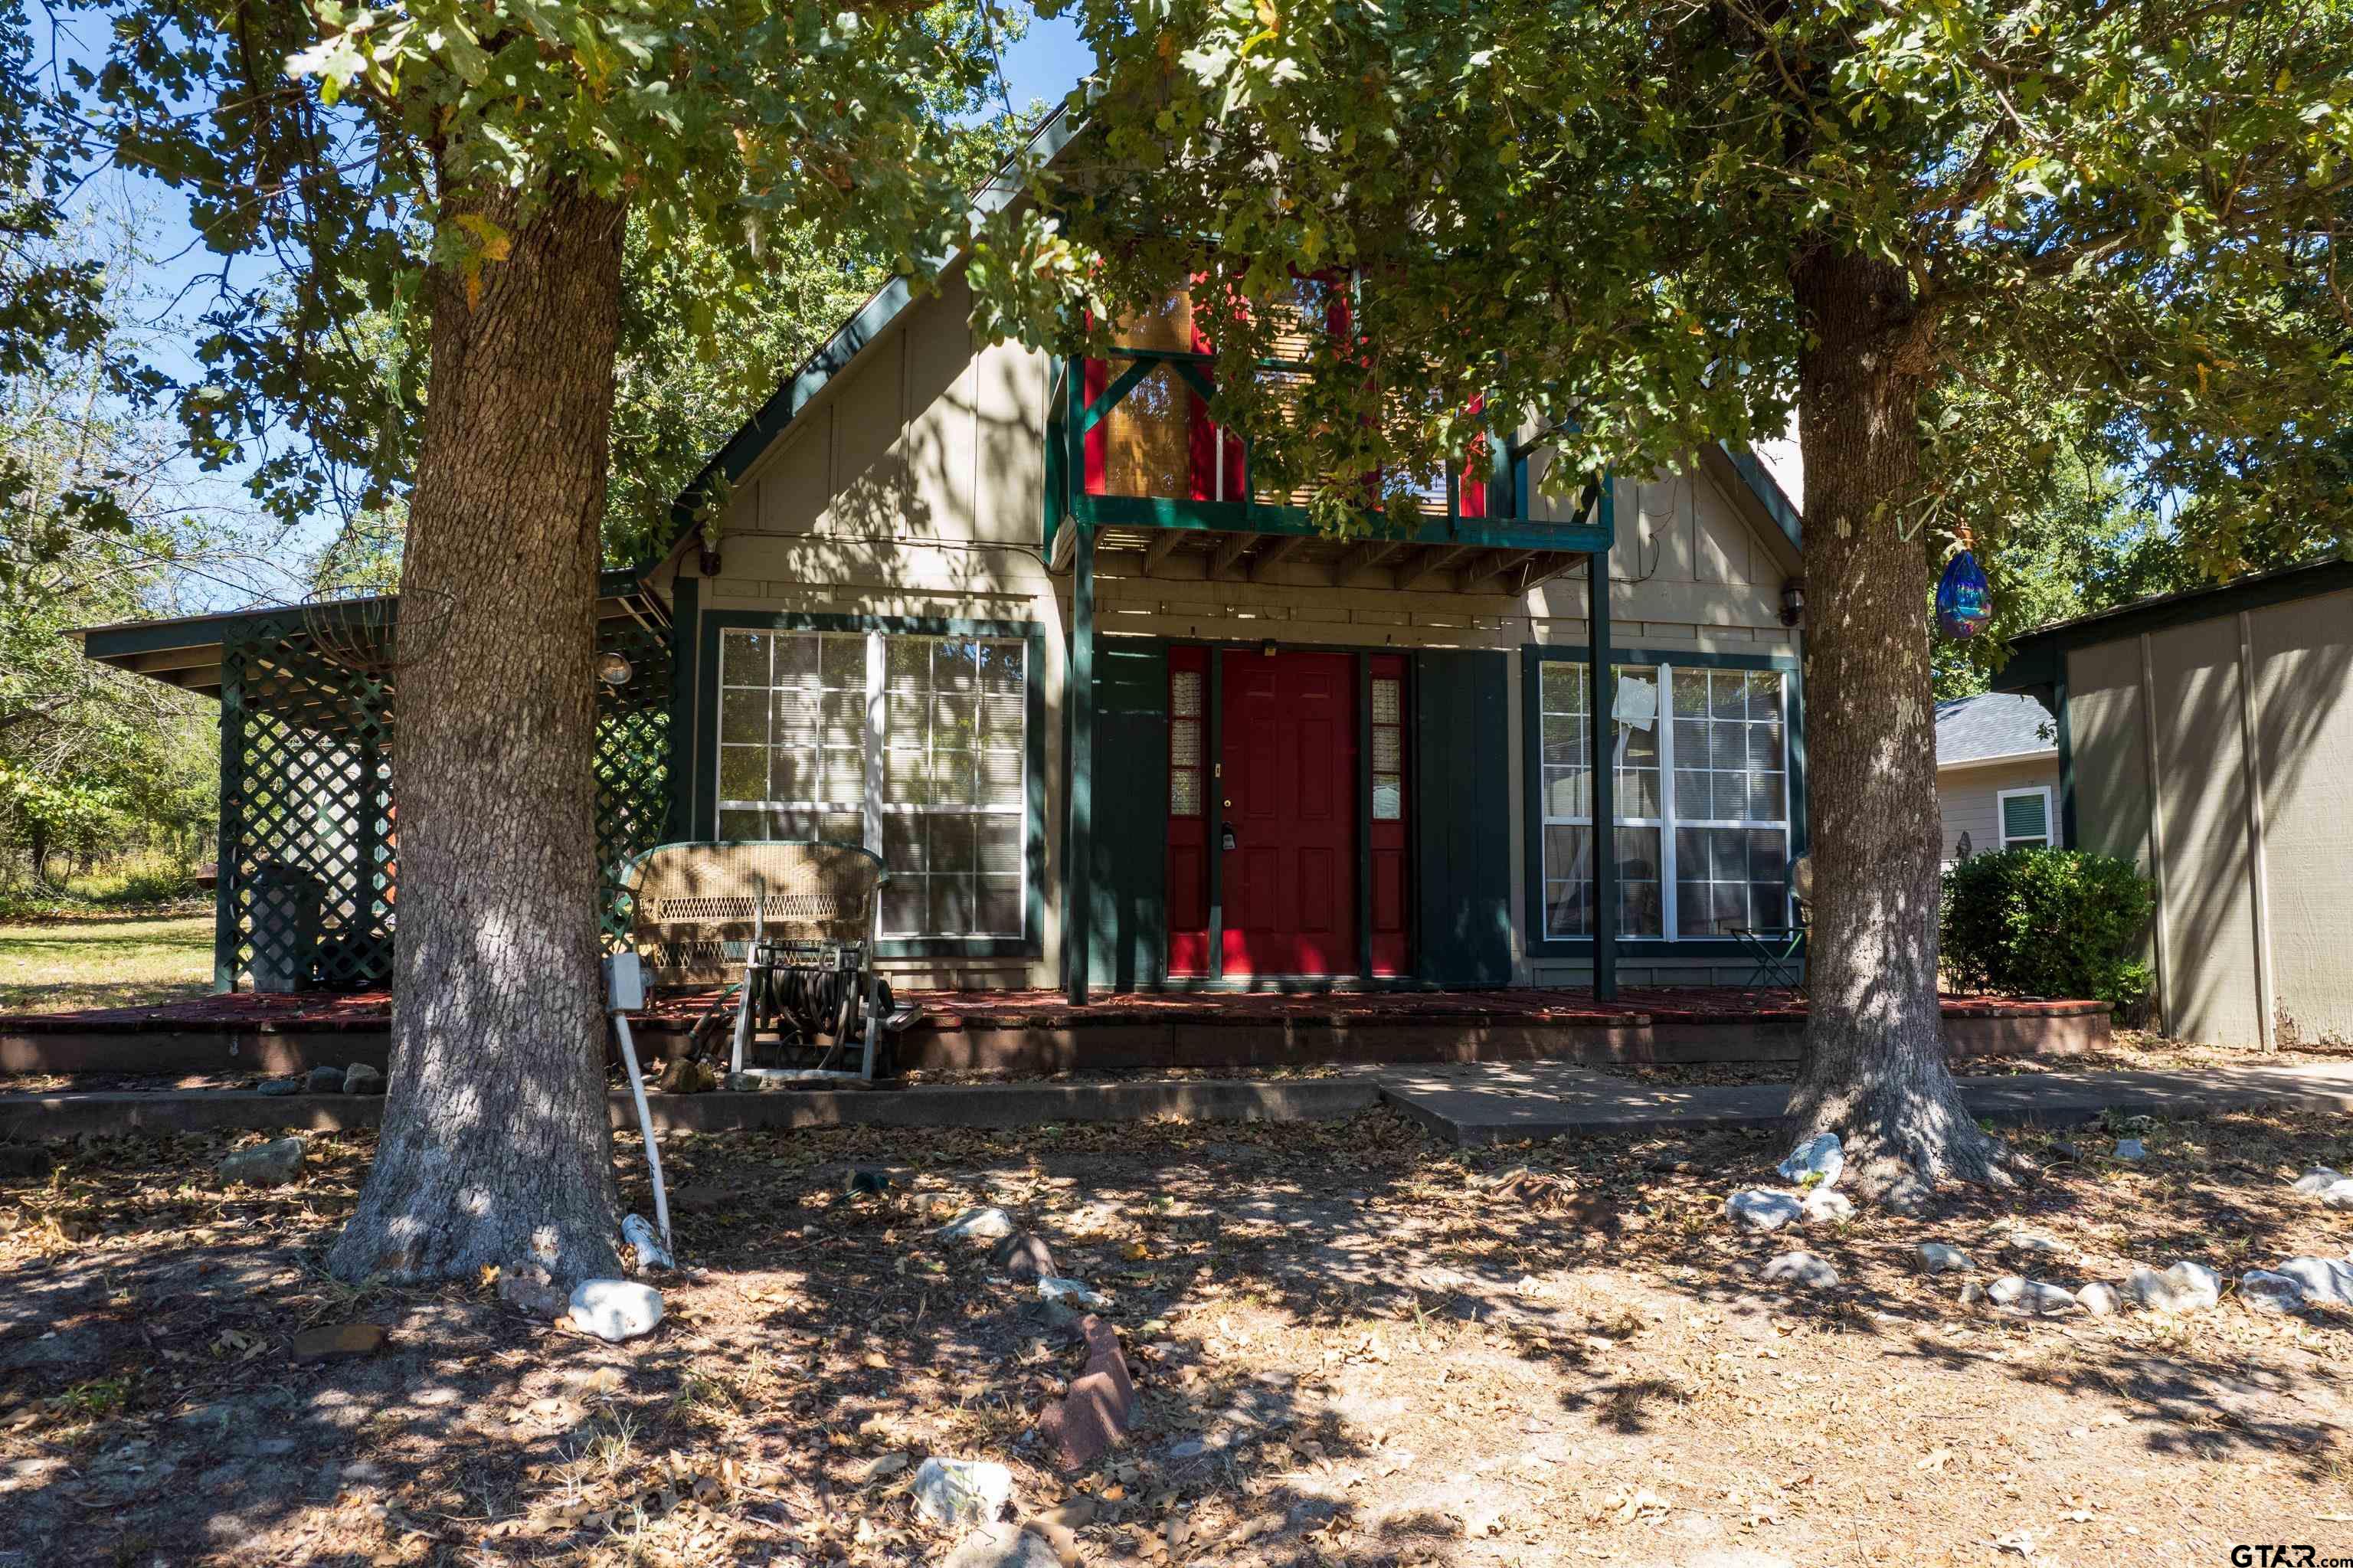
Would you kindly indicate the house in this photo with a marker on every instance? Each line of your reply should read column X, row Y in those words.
column 1114, row 717
column 2209, row 736
column 1996, row 774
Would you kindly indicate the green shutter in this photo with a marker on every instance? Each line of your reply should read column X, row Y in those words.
column 1461, row 809
column 1127, row 936
column 2026, row 816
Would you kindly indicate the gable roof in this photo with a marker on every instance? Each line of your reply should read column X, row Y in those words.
column 1992, row 725
column 835, row 355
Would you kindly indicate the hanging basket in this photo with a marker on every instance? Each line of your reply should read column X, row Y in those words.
column 374, row 633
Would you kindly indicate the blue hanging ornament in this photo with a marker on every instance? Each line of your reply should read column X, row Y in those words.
column 1964, row 602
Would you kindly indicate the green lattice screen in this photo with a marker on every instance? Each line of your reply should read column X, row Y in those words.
column 308, row 851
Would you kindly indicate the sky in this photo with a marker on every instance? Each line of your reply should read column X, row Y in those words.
column 174, row 281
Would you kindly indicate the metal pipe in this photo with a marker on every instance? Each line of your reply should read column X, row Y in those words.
column 646, row 1125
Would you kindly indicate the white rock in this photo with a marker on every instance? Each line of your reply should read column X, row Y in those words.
column 2317, row 1180
column 1069, row 1292
column 2338, row 1194
column 615, row 1309
column 961, row 1493
column 2269, row 1292
column 1802, row 1269
column 1759, row 1208
column 978, row 1225
column 2131, row 1149
column 2031, row 1297
column 2185, row 1287
column 1936, row 1258
column 1820, row 1157
column 1822, row 1204
column 2034, row 1244
column 271, row 1164
column 640, row 1233
column 2100, row 1299
column 2323, row 1280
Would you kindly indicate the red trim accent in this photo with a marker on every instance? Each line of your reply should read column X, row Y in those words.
column 1094, row 381
column 1470, row 493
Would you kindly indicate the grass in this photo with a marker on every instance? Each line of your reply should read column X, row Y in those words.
column 134, row 961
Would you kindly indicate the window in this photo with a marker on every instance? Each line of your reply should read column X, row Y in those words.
column 915, row 747
column 2025, row 817
column 1388, row 748
column 1703, row 852
column 1184, row 743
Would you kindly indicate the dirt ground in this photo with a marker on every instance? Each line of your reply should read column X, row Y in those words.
column 1354, row 1347
column 2128, row 1051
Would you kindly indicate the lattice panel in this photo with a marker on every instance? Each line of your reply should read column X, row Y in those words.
column 306, row 816
column 309, row 847
column 632, row 762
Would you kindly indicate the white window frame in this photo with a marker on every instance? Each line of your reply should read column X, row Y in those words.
column 873, row 809
column 1668, row 820
column 2047, row 839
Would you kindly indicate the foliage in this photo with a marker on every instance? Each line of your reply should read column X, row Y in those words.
column 2049, row 922
column 368, row 145
column 1596, row 213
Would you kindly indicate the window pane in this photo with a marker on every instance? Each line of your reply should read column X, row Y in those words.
column 904, row 906
column 953, row 845
column 956, row 666
column 1147, row 438
column 1002, row 667
column 902, row 844
column 1388, row 750
column 1387, row 700
column 1001, row 845
column 998, row 913
column 951, row 903
column 741, row 825
column 1388, row 798
column 1565, row 792
column 1184, row 744
column 1564, row 738
column 743, row 659
column 906, row 664
column 743, row 773
column 999, row 776
column 1184, row 792
column 1185, row 693
column 1562, row 686
column 744, row 717
column 1691, row 693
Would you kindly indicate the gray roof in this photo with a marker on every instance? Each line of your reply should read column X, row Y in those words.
column 1992, row 724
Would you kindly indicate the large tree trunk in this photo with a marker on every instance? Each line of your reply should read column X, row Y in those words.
column 496, row 1149
column 1873, row 1067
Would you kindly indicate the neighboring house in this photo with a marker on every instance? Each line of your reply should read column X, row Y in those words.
column 1114, row 718
column 1996, row 774
column 2209, row 736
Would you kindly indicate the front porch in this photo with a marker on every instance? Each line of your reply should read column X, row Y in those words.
column 1041, row 1033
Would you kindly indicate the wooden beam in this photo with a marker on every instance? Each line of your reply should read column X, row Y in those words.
column 1435, row 560
column 1281, row 550
column 1163, row 545
column 1362, row 557
column 1230, row 549
column 1497, row 564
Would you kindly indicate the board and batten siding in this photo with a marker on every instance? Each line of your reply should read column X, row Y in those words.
column 2247, row 843
column 1969, row 799
column 912, row 486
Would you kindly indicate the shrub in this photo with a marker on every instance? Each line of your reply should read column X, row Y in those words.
column 2048, row 922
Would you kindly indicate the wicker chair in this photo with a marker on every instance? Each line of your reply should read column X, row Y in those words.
column 791, row 925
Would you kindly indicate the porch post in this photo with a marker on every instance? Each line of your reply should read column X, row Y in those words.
column 232, row 819
column 1602, row 695
column 1078, row 842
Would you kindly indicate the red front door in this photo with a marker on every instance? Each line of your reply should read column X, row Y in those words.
column 1288, row 791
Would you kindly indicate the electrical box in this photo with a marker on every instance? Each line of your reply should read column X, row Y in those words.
column 625, row 983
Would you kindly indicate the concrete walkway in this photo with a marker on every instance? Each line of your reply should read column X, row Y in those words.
column 1468, row 1104
column 1494, row 1102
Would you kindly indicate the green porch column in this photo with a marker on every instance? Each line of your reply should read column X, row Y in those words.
column 1078, row 842
column 1601, row 691
column 232, row 822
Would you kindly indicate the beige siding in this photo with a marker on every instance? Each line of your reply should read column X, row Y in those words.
column 2109, row 747
column 2302, row 655
column 912, row 484
column 2209, row 957
column 1967, row 800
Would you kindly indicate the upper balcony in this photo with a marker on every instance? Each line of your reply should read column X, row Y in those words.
column 1133, row 454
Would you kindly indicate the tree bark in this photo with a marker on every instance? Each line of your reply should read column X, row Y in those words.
column 1873, row 1067
column 496, row 1149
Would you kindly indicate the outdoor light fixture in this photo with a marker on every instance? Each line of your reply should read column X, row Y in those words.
column 1793, row 601
column 614, row 669
column 1266, row 646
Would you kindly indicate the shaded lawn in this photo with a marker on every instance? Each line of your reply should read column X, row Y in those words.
column 1354, row 1347
column 58, row 965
